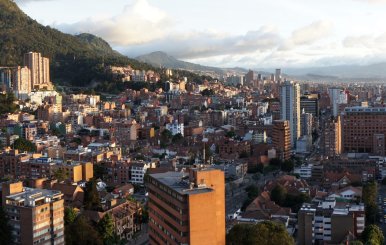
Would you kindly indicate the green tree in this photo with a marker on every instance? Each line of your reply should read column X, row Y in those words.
column 177, row 138
column 230, row 134
column 69, row 215
column 279, row 194
column 287, row 165
column 91, row 196
column 263, row 233
column 81, row 232
column 105, row 228
column 371, row 210
column 372, row 234
column 60, row 175
column 207, row 92
column 275, row 162
column 24, row 145
column 5, row 228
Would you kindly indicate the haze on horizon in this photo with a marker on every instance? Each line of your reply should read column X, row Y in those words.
column 225, row 33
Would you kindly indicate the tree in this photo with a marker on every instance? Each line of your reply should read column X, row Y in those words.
column 230, row 134
column 207, row 92
column 69, row 215
column 105, row 228
column 263, row 233
column 372, row 234
column 275, row 162
column 91, row 196
column 60, row 175
column 81, row 232
column 24, row 145
column 371, row 210
column 287, row 166
column 177, row 138
column 279, row 194
column 5, row 228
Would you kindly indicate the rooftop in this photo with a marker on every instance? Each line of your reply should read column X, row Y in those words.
column 179, row 181
column 31, row 197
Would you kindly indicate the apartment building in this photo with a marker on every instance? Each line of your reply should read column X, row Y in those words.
column 36, row 215
column 329, row 222
column 187, row 208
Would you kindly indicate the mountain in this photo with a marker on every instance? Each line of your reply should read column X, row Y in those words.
column 77, row 59
column 161, row 59
column 344, row 72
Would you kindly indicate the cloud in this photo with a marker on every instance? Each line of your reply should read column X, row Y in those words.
column 138, row 23
column 312, row 33
column 372, row 1
column 28, row 1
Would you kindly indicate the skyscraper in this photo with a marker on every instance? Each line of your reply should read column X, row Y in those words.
column 187, row 208
column 306, row 123
column 332, row 137
column 281, row 139
column 40, row 70
column 337, row 96
column 22, row 82
column 278, row 75
column 290, row 108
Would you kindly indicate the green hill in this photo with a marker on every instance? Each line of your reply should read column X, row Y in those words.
column 74, row 59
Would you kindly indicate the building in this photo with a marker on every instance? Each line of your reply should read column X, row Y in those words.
column 290, row 108
column 337, row 97
column 332, row 137
column 22, row 82
column 40, row 70
column 175, row 128
column 363, row 129
column 187, row 208
column 306, row 123
column 310, row 104
column 281, row 138
column 138, row 171
column 278, row 75
column 250, row 77
column 328, row 222
column 12, row 163
column 36, row 215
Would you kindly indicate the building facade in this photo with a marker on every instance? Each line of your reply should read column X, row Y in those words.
column 290, row 108
column 187, row 208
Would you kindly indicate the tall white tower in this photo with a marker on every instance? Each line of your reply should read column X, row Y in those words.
column 290, row 108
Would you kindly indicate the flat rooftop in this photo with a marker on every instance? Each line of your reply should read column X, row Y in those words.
column 179, row 182
column 31, row 195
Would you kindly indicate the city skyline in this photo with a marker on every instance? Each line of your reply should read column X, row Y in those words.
column 251, row 34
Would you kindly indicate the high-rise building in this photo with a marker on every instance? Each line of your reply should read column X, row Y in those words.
column 332, row 137
column 6, row 77
column 306, row 123
column 36, row 215
column 22, row 82
column 278, row 75
column 290, row 108
column 187, row 208
column 360, row 126
column 281, row 139
column 310, row 104
column 329, row 222
column 337, row 97
column 40, row 70
column 250, row 77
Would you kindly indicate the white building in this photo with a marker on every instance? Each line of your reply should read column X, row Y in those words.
column 304, row 171
column 138, row 170
column 337, row 96
column 290, row 108
column 175, row 128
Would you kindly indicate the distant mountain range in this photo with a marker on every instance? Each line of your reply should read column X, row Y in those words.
column 328, row 73
column 162, row 59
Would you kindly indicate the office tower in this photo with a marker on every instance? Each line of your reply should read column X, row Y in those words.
column 332, row 137
column 36, row 215
column 187, row 208
column 290, row 108
column 310, row 104
column 329, row 222
column 306, row 123
column 22, row 82
column 360, row 126
column 40, row 70
column 281, row 139
column 337, row 97
column 250, row 77
column 278, row 75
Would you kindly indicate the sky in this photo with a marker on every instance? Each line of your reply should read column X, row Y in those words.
column 229, row 33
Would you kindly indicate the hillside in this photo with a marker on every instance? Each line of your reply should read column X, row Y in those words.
column 75, row 59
